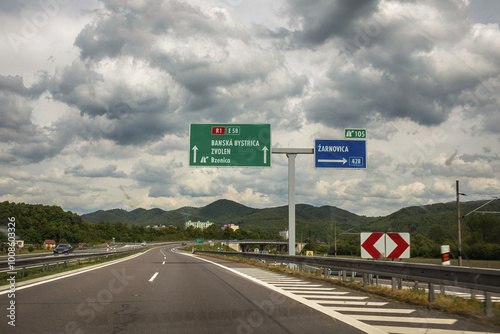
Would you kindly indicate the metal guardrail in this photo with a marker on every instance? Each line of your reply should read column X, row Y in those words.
column 487, row 280
column 44, row 262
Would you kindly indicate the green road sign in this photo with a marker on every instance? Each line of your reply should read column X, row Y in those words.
column 199, row 241
column 230, row 145
column 355, row 133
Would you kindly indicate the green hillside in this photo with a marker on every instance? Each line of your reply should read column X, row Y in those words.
column 429, row 226
column 310, row 220
column 420, row 219
column 433, row 225
column 318, row 222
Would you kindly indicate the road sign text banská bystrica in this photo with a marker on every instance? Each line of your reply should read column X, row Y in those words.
column 230, row 145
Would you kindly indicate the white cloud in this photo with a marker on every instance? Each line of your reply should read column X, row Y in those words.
column 97, row 100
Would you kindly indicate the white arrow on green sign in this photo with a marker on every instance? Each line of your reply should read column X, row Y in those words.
column 230, row 145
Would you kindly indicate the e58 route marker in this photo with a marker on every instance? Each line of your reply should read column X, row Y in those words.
column 378, row 245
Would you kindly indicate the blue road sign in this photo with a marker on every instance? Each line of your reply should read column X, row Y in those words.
column 339, row 153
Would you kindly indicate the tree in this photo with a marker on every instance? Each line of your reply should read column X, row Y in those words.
column 422, row 246
column 438, row 234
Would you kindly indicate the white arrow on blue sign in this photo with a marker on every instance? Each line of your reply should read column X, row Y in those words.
column 339, row 153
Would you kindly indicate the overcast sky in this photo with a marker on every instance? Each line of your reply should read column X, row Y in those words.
column 96, row 99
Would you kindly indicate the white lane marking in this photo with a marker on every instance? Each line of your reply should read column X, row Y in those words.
column 72, row 274
column 305, row 289
column 323, row 294
column 153, row 277
column 315, row 297
column 415, row 330
column 371, row 309
column 300, row 286
column 440, row 321
column 163, row 262
column 347, row 302
column 336, row 315
column 274, row 281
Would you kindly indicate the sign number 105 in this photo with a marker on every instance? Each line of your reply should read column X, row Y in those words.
column 355, row 133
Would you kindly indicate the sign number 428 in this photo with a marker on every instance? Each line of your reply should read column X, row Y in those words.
column 355, row 161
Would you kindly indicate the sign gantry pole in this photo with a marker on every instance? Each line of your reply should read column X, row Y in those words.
column 291, row 203
column 291, row 154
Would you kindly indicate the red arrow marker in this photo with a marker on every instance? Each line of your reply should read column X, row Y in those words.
column 369, row 245
column 401, row 245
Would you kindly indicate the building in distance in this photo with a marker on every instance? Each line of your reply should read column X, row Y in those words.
column 284, row 234
column 231, row 226
column 198, row 224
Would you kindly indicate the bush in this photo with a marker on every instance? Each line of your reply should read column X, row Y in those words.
column 31, row 249
column 484, row 251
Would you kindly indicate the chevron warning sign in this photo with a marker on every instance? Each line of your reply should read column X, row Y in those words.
column 385, row 245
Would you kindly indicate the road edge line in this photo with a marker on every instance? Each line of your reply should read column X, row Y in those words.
column 336, row 315
column 73, row 273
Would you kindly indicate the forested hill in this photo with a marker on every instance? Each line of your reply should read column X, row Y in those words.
column 436, row 220
column 229, row 212
column 221, row 212
column 429, row 226
column 420, row 219
column 36, row 223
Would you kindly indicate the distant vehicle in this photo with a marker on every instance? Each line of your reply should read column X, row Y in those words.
column 184, row 244
column 63, row 249
column 144, row 243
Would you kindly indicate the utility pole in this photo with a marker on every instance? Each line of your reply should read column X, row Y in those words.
column 335, row 239
column 458, row 227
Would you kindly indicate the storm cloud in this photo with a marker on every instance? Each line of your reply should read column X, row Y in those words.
column 102, row 94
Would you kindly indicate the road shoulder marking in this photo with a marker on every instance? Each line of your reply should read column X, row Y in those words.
column 336, row 315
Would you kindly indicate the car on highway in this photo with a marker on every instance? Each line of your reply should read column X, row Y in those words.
column 63, row 249
column 144, row 243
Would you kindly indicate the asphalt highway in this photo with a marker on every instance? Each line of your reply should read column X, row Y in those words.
column 160, row 291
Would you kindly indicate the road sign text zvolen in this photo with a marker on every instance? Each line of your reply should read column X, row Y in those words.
column 230, row 145
column 339, row 153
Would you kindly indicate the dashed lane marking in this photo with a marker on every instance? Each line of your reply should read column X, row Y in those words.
column 153, row 277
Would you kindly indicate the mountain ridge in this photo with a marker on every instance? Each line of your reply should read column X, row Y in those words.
column 221, row 212
column 311, row 220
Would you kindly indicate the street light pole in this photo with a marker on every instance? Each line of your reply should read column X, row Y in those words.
column 459, row 229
